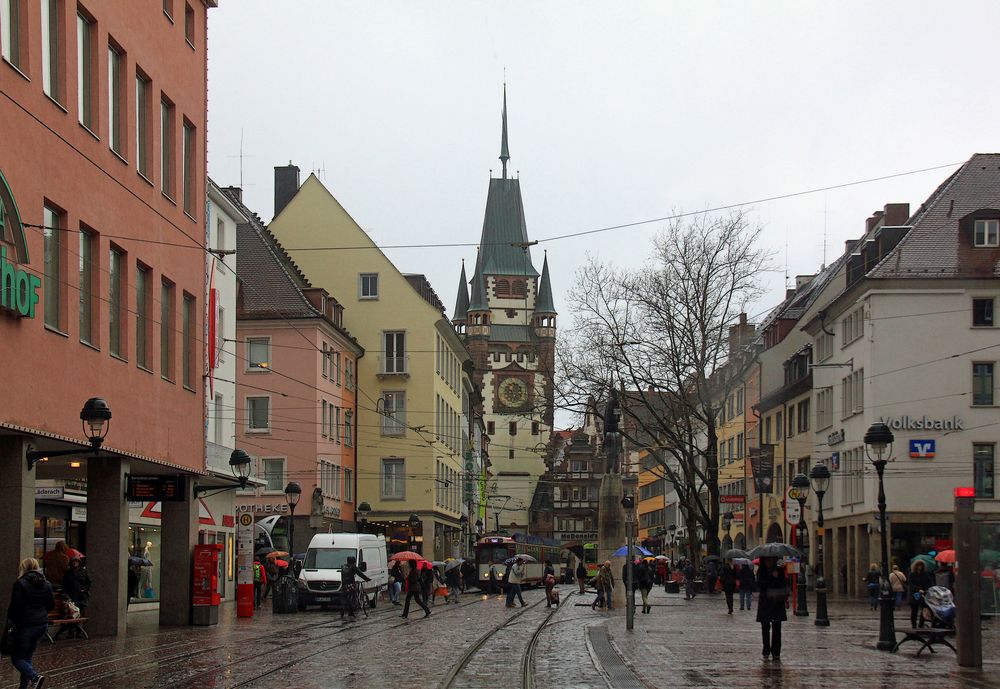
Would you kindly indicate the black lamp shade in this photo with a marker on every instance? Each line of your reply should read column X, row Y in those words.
column 800, row 482
column 414, row 520
column 292, row 494
column 363, row 510
column 240, row 463
column 878, row 437
column 820, row 477
column 96, row 414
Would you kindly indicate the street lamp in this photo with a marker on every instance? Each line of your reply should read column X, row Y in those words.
column 292, row 494
column 878, row 440
column 800, row 483
column 820, row 478
column 239, row 463
column 414, row 523
column 95, row 418
column 363, row 510
column 466, row 532
column 672, row 531
column 628, row 504
column 727, row 522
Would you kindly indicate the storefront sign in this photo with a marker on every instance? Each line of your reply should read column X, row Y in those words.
column 835, row 438
column 18, row 288
column 155, row 488
column 922, row 449
column 732, row 499
column 583, row 536
column 78, row 514
column 279, row 508
column 762, row 466
column 923, row 423
column 50, row 492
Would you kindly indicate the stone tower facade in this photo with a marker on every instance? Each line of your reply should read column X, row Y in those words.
column 507, row 316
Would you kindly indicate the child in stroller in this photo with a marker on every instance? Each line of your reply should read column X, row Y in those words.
column 938, row 607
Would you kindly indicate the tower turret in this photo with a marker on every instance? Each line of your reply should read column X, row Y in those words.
column 478, row 313
column 544, row 319
column 459, row 318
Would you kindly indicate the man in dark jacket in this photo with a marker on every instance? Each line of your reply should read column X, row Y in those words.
column 348, row 582
column 729, row 579
column 746, row 586
column 773, row 586
column 30, row 602
column 413, row 590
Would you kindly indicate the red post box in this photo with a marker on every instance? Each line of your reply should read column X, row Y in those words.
column 205, row 592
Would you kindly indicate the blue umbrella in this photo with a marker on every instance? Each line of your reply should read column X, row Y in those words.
column 636, row 550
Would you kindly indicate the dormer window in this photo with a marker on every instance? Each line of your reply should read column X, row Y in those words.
column 987, row 233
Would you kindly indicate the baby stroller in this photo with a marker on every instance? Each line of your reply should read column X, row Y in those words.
column 938, row 607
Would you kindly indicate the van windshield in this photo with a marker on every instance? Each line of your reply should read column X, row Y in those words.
column 328, row 558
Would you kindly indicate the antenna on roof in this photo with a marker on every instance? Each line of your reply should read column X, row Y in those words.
column 241, row 156
column 786, row 258
column 824, row 232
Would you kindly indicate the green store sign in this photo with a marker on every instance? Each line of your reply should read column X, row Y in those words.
column 18, row 288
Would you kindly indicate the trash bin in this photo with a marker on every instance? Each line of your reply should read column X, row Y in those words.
column 285, row 596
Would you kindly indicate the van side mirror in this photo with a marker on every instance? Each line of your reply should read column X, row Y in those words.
column 363, row 566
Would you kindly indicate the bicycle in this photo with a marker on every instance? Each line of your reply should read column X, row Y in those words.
column 356, row 600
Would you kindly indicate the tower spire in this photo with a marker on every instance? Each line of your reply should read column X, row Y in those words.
column 504, row 153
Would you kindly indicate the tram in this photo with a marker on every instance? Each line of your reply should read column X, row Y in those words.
column 498, row 549
column 587, row 552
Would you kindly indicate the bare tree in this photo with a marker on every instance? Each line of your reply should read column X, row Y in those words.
column 662, row 333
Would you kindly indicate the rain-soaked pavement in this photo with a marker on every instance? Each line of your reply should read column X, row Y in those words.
column 680, row 644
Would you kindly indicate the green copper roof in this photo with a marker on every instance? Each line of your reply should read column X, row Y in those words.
column 544, row 303
column 510, row 333
column 462, row 302
column 503, row 229
column 479, row 302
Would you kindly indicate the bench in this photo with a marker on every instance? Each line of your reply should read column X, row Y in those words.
column 928, row 638
column 58, row 619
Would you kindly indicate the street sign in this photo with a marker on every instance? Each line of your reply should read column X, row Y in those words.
column 793, row 511
column 244, row 565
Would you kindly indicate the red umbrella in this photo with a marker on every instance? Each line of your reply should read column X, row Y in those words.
column 281, row 563
column 945, row 556
column 406, row 555
column 73, row 552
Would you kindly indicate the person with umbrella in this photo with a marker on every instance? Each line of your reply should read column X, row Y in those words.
column 413, row 590
column 645, row 583
column 920, row 581
column 773, row 587
column 259, row 580
column 729, row 580
column 453, row 579
column 711, row 573
column 746, row 584
column 514, row 580
column 689, row 574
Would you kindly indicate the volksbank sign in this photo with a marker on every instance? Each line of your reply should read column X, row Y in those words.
column 923, row 423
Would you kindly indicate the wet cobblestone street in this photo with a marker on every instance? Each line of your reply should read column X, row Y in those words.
column 687, row 644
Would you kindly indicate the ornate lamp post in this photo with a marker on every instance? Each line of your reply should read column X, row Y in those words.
column 727, row 522
column 95, row 417
column 292, row 494
column 820, row 478
column 363, row 510
column 878, row 440
column 628, row 504
column 801, row 485
column 463, row 522
column 671, row 537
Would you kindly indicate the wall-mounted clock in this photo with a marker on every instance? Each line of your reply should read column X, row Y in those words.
column 513, row 393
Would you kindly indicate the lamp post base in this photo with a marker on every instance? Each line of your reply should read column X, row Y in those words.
column 887, row 624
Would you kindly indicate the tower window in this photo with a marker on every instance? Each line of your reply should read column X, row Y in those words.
column 503, row 288
column 519, row 288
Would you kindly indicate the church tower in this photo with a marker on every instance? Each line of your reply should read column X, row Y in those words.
column 509, row 327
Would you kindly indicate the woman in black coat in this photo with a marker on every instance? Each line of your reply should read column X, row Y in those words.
column 920, row 580
column 729, row 579
column 773, row 587
column 30, row 603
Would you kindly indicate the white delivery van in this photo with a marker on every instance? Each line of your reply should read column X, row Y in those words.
column 319, row 580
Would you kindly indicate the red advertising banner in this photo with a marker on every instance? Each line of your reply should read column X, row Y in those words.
column 206, row 574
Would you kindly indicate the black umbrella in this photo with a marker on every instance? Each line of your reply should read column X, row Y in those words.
column 712, row 558
column 773, row 550
column 136, row 561
column 264, row 551
column 735, row 553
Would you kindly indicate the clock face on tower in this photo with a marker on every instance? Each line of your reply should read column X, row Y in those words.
column 513, row 393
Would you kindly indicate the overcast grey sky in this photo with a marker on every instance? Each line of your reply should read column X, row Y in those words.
column 618, row 112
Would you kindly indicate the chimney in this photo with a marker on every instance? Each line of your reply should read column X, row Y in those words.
column 802, row 280
column 235, row 191
column 286, row 184
column 896, row 214
column 740, row 335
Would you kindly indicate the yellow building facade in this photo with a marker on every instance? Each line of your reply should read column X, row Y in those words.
column 413, row 382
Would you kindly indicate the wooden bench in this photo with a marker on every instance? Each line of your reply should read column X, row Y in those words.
column 58, row 619
column 928, row 638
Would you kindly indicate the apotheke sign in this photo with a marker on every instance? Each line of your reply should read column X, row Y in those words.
column 923, row 423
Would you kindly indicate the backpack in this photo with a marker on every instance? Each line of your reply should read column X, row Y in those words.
column 257, row 573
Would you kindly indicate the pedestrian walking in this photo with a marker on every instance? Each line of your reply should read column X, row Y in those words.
column 494, row 586
column 259, row 579
column 469, row 578
column 453, row 579
column 625, row 580
column 30, row 602
column 271, row 570
column 730, row 578
column 514, row 580
column 897, row 580
column 581, row 576
column 773, row 586
column 604, row 582
column 663, row 573
column 871, row 580
column 711, row 576
column 746, row 586
column 920, row 581
column 688, row 570
column 645, row 584
column 76, row 585
column 414, row 590
column 549, row 580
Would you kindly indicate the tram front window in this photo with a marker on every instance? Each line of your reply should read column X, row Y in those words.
column 328, row 558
